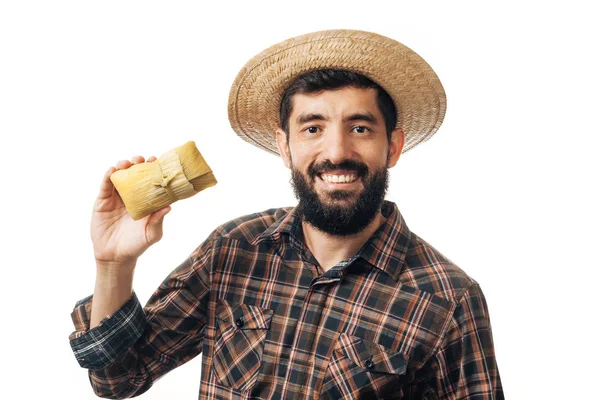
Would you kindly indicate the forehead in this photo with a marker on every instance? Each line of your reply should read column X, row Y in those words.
column 338, row 103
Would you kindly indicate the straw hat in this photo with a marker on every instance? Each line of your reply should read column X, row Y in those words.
column 256, row 93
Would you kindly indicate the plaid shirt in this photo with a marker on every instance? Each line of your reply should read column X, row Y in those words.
column 397, row 320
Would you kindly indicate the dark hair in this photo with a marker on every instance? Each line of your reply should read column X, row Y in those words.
column 332, row 79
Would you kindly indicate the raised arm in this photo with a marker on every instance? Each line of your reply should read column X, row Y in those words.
column 126, row 347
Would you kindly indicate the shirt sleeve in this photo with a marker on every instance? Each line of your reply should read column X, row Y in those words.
column 465, row 366
column 135, row 346
column 98, row 347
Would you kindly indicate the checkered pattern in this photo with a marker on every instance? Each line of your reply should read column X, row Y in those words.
column 397, row 320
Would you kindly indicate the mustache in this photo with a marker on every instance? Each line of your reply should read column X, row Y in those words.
column 357, row 167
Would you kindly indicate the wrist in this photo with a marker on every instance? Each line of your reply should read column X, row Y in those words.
column 114, row 273
column 115, row 267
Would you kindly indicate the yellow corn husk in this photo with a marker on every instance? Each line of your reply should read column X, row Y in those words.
column 176, row 175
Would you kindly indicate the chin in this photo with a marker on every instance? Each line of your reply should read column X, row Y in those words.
column 340, row 196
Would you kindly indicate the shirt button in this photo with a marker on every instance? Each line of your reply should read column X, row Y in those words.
column 239, row 323
column 369, row 364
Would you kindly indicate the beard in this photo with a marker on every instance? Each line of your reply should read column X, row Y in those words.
column 337, row 214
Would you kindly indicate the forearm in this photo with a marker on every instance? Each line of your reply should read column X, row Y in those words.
column 112, row 289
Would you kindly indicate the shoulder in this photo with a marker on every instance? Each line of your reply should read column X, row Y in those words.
column 429, row 270
column 248, row 227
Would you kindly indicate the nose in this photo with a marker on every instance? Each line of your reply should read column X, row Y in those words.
column 337, row 146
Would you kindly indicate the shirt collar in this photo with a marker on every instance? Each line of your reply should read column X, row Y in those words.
column 282, row 225
column 385, row 250
column 388, row 246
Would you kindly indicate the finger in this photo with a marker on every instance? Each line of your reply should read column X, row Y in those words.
column 137, row 160
column 154, row 229
column 123, row 164
column 158, row 215
column 106, row 187
column 151, row 158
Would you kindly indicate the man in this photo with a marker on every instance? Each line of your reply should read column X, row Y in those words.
column 334, row 299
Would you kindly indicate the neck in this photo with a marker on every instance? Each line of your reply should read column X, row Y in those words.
column 330, row 249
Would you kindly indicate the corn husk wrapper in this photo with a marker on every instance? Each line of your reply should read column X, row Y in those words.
column 176, row 175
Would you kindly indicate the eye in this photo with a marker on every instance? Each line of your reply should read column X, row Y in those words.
column 312, row 130
column 361, row 129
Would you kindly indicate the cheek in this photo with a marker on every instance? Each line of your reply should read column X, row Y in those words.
column 377, row 156
column 299, row 160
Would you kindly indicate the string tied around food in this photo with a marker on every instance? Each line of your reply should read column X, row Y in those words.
column 163, row 180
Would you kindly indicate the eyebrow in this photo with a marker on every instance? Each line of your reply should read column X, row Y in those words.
column 303, row 118
column 361, row 116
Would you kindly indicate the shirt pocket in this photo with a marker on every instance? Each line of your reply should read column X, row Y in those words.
column 362, row 369
column 239, row 343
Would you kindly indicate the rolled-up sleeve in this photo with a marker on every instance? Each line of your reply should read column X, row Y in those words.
column 99, row 347
column 465, row 365
column 133, row 347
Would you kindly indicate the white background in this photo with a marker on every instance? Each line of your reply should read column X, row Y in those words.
column 507, row 188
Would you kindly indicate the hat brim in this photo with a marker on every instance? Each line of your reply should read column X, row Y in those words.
column 256, row 93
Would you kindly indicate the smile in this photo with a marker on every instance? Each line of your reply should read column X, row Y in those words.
column 331, row 178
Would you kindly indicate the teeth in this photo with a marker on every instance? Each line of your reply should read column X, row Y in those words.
column 338, row 178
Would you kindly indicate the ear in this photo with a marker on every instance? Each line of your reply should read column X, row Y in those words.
column 396, row 145
column 283, row 147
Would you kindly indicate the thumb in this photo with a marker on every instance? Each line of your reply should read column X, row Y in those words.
column 154, row 229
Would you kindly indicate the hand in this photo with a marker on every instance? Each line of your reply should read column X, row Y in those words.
column 118, row 239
